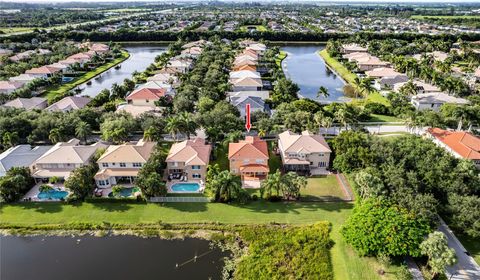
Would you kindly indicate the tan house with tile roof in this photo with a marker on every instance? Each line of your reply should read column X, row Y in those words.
column 249, row 158
column 121, row 163
column 69, row 103
column 60, row 160
column 305, row 153
column 246, row 84
column 189, row 159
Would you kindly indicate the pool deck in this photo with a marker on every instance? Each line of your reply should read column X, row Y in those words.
column 173, row 182
column 32, row 194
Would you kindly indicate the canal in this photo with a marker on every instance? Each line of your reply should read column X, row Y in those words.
column 141, row 56
column 112, row 257
column 306, row 68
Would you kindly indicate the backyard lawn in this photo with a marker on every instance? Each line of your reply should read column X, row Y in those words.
column 384, row 118
column 472, row 245
column 62, row 89
column 259, row 28
column 322, row 188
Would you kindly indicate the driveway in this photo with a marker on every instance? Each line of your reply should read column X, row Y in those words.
column 466, row 267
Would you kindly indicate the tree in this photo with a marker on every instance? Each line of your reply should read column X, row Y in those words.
column 10, row 139
column 271, row 185
column 81, row 181
column 173, row 126
column 224, row 187
column 287, row 185
column 284, row 91
column 149, row 179
column 117, row 127
column 465, row 216
column 378, row 227
column 83, row 130
column 435, row 247
column 323, row 92
column 369, row 185
column 55, row 135
column 16, row 182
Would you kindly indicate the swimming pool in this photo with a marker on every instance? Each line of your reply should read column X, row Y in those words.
column 186, row 187
column 52, row 195
column 125, row 192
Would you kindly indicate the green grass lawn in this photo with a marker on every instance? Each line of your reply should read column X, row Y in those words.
column 320, row 188
column 259, row 28
column 275, row 161
column 280, row 57
column 8, row 30
column 383, row 118
column 446, row 17
column 472, row 245
column 63, row 88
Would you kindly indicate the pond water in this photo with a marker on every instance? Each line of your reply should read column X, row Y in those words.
column 113, row 257
column 141, row 56
column 306, row 68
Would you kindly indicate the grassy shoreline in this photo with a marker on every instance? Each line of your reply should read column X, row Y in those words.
column 149, row 218
column 63, row 88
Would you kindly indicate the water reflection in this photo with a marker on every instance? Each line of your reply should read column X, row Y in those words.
column 307, row 69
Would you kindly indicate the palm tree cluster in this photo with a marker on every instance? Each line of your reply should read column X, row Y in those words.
column 182, row 123
column 288, row 185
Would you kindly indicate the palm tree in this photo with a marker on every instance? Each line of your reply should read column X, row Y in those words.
column 224, row 186
column 10, row 139
column 327, row 122
column 55, row 136
column 366, row 87
column 149, row 134
column 187, row 126
column 83, row 130
column 323, row 92
column 272, row 184
column 173, row 126
column 409, row 88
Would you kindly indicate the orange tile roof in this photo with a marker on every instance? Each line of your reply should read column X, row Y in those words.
column 147, row 93
column 463, row 143
column 43, row 70
column 254, row 168
column 251, row 147
column 245, row 67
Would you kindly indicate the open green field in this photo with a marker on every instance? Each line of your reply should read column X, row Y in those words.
column 324, row 187
column 280, row 57
column 346, row 263
column 63, row 88
column 259, row 28
column 8, row 30
column 383, row 118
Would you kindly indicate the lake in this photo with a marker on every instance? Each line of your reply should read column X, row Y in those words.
column 141, row 56
column 306, row 68
column 112, row 257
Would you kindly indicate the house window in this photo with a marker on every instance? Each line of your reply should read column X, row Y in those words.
column 195, row 167
column 113, row 163
column 322, row 164
column 259, row 161
column 122, row 164
column 321, row 154
column 137, row 164
column 146, row 100
column 196, row 176
column 104, row 164
column 103, row 182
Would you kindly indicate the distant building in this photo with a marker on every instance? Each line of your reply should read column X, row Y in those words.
column 27, row 103
column 69, row 103
column 433, row 101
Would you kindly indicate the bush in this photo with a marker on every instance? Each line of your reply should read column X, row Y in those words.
column 377, row 108
column 45, row 188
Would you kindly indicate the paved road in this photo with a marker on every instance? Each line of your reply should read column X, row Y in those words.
column 466, row 267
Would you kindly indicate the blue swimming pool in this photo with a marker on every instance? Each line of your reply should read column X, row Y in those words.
column 185, row 187
column 52, row 195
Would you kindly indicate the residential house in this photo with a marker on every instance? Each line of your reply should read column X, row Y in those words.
column 169, row 90
column 247, row 84
column 263, row 94
column 69, row 103
column 189, row 159
column 121, row 163
column 433, row 101
column 460, row 144
column 23, row 78
column 257, row 104
column 245, row 67
column 20, row 156
column 352, row 48
column 306, row 152
column 382, row 72
column 249, row 159
column 390, row 81
column 244, row 62
column 421, row 87
column 43, row 72
column 145, row 96
column 180, row 65
column 61, row 159
column 164, row 78
column 7, row 87
column 244, row 74
column 370, row 63
column 27, row 103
